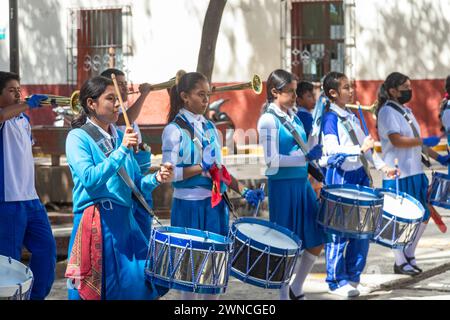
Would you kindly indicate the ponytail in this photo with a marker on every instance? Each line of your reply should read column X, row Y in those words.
column 393, row 81
column 185, row 82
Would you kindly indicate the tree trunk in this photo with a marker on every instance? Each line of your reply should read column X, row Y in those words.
column 210, row 32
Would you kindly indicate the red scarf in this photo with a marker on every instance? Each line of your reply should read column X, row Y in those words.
column 218, row 175
column 85, row 264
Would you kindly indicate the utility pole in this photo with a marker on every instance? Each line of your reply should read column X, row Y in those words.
column 14, row 37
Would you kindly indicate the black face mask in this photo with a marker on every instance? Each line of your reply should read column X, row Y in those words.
column 405, row 97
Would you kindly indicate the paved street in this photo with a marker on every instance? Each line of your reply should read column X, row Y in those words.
column 433, row 255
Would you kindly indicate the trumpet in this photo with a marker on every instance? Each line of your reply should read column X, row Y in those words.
column 61, row 101
column 164, row 85
column 372, row 108
column 255, row 84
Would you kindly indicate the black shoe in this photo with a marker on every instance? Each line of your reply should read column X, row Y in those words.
column 292, row 296
column 400, row 270
column 409, row 259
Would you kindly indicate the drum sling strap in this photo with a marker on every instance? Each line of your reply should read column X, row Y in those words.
column 107, row 148
column 352, row 134
column 425, row 155
column 181, row 122
column 313, row 168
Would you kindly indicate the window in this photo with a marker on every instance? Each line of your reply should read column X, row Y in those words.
column 317, row 38
column 96, row 39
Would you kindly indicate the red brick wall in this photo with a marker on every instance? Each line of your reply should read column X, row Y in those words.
column 244, row 106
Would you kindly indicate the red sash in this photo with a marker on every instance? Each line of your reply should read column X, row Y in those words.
column 85, row 264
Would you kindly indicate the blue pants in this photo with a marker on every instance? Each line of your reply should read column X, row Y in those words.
column 25, row 223
column 343, row 267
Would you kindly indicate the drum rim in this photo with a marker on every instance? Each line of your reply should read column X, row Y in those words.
column 261, row 246
column 441, row 175
column 185, row 286
column 255, row 281
column 360, row 235
column 440, row 204
column 327, row 195
column 223, row 245
column 26, row 284
column 407, row 196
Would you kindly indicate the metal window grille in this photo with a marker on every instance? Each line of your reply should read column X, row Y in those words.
column 98, row 39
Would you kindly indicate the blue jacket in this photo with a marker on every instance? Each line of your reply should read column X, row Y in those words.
column 96, row 177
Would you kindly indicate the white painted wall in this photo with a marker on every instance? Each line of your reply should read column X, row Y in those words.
column 410, row 36
column 4, row 44
column 165, row 37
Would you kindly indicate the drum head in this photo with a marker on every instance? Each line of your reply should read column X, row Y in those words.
column 12, row 274
column 267, row 236
column 353, row 194
column 402, row 206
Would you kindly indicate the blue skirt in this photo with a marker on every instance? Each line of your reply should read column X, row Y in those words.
column 198, row 214
column 293, row 205
column 124, row 256
column 416, row 186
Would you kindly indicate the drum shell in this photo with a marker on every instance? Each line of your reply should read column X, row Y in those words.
column 172, row 265
column 349, row 218
column 396, row 232
column 440, row 190
column 259, row 264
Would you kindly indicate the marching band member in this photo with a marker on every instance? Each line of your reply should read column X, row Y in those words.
column 143, row 156
column 444, row 115
column 292, row 201
column 401, row 140
column 305, row 104
column 23, row 218
column 107, row 249
column 197, row 199
column 344, row 269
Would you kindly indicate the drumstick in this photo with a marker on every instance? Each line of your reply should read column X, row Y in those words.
column 363, row 121
column 437, row 219
column 263, row 185
column 396, row 175
column 119, row 96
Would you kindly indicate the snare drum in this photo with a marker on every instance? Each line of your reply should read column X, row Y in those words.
column 350, row 211
column 16, row 280
column 189, row 260
column 264, row 254
column 440, row 190
column 402, row 215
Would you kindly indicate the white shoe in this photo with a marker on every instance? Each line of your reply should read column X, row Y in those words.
column 346, row 291
column 363, row 290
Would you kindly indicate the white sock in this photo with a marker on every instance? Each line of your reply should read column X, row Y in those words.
column 399, row 257
column 303, row 267
column 410, row 250
column 284, row 292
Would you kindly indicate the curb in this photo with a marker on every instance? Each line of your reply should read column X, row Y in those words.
column 407, row 281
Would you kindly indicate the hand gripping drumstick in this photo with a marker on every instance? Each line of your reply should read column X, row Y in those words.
column 124, row 110
column 263, row 185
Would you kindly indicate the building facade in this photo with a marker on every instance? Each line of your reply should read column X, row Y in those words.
column 62, row 43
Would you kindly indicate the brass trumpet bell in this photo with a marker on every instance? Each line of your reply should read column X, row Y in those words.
column 61, row 101
column 372, row 108
column 255, row 84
